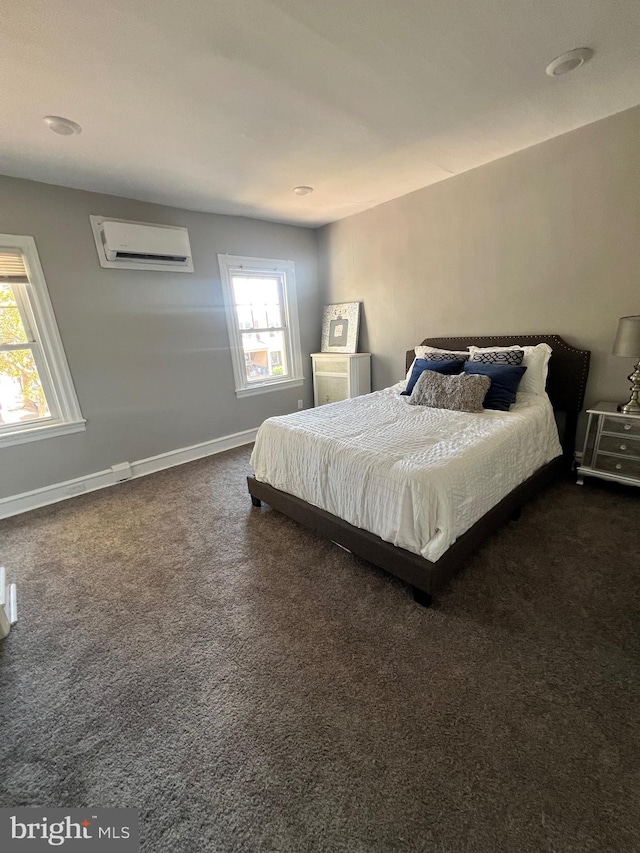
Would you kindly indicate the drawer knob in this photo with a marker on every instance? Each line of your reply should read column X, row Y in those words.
column 627, row 426
column 618, row 466
column 623, row 447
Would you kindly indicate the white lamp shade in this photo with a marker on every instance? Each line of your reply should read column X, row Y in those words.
column 627, row 341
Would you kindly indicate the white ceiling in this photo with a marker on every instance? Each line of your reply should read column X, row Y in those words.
column 226, row 105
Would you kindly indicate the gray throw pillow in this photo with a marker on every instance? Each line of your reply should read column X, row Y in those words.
column 450, row 392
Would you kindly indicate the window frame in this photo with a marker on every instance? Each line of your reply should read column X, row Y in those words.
column 238, row 264
column 46, row 346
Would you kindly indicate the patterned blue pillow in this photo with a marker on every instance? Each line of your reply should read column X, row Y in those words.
column 447, row 367
column 513, row 356
column 444, row 356
column 505, row 379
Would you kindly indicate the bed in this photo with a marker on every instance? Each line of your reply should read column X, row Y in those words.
column 416, row 490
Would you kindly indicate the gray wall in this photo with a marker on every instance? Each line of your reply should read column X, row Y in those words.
column 149, row 352
column 545, row 240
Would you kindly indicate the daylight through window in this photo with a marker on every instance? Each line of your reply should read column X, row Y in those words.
column 262, row 322
column 36, row 392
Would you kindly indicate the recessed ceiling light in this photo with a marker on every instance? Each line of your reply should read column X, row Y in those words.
column 569, row 61
column 63, row 126
column 303, row 190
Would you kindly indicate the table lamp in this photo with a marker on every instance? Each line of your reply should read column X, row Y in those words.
column 627, row 344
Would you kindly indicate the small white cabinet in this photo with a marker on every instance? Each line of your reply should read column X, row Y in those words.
column 340, row 375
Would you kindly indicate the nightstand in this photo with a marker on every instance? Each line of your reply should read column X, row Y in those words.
column 340, row 375
column 611, row 446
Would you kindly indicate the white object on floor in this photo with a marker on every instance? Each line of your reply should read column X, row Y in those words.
column 8, row 605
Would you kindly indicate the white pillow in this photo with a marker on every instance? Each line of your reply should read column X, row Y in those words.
column 421, row 351
column 536, row 360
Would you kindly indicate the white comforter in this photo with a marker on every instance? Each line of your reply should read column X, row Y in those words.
column 415, row 476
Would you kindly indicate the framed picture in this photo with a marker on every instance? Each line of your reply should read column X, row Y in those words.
column 340, row 327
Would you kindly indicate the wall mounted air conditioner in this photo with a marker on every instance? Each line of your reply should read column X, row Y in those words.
column 127, row 245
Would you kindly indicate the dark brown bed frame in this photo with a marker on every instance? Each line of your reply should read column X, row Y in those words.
column 568, row 369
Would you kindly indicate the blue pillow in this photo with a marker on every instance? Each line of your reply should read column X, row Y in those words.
column 504, row 383
column 447, row 368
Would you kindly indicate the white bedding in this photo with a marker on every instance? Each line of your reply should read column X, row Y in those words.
column 415, row 476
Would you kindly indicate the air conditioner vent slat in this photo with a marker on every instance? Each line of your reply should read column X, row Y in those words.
column 179, row 259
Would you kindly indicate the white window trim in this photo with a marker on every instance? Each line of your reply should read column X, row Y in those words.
column 232, row 263
column 59, row 384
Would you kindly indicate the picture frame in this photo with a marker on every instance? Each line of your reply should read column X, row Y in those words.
column 340, row 326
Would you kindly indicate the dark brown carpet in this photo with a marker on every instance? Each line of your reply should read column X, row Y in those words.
column 252, row 688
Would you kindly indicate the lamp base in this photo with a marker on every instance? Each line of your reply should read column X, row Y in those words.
column 633, row 406
column 630, row 408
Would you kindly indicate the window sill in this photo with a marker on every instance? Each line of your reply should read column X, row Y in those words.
column 270, row 386
column 34, row 433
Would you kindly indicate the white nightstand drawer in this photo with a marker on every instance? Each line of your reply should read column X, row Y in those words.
column 332, row 365
column 331, row 389
column 624, row 445
column 617, row 465
column 622, row 425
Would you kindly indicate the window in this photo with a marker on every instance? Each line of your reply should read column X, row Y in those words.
column 262, row 317
column 37, row 398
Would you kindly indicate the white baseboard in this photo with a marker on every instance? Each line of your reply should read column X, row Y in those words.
column 26, row 501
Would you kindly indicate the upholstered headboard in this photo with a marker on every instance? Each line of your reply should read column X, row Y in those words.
column 568, row 371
